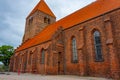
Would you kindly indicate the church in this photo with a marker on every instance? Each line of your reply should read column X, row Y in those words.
column 84, row 43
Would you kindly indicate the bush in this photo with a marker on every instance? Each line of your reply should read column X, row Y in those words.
column 1, row 69
column 4, row 68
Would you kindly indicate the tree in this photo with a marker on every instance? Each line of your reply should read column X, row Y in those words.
column 6, row 52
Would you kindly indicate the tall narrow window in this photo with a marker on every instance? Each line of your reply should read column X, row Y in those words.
column 45, row 19
column 74, row 50
column 48, row 21
column 43, row 56
column 97, row 43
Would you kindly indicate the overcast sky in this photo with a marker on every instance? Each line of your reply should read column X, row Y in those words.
column 14, row 12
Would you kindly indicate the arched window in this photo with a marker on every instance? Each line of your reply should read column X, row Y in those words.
column 74, row 50
column 97, row 44
column 48, row 21
column 42, row 56
column 45, row 19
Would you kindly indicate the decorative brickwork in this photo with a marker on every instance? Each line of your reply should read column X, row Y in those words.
column 58, row 48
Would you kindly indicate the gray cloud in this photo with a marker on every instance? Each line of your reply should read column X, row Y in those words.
column 63, row 8
column 13, row 14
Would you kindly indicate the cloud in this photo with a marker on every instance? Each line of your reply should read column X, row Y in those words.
column 13, row 14
column 12, row 20
column 63, row 8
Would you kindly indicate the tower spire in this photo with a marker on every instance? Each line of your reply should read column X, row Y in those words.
column 40, row 17
column 42, row 6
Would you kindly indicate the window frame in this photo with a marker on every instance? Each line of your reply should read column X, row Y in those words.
column 45, row 19
column 42, row 56
column 74, row 50
column 48, row 20
column 97, row 46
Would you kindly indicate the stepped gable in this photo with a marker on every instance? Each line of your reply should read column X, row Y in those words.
column 93, row 10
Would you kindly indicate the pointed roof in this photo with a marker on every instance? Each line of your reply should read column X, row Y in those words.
column 42, row 6
column 93, row 10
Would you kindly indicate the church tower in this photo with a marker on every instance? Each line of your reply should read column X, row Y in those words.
column 37, row 20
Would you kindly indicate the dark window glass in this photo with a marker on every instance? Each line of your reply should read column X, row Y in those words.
column 48, row 21
column 45, row 20
column 43, row 57
column 74, row 50
column 97, row 43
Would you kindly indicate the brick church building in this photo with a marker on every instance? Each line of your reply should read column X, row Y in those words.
column 85, row 43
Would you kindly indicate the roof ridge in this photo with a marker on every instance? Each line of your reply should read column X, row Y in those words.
column 42, row 6
column 90, row 11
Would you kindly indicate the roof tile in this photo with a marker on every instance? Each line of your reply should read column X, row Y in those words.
column 42, row 6
column 95, row 9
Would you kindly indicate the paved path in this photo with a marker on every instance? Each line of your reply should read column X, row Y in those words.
column 15, row 76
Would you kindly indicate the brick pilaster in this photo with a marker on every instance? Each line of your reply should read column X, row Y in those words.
column 81, row 60
column 114, row 62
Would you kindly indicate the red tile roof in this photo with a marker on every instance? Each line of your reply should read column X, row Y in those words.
column 42, row 6
column 95, row 9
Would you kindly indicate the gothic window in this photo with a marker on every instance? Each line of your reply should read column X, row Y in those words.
column 42, row 56
column 97, row 44
column 48, row 21
column 74, row 50
column 45, row 20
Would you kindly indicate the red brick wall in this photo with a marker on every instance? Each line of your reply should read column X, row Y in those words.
column 93, row 68
column 109, row 27
column 116, row 30
column 37, row 25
